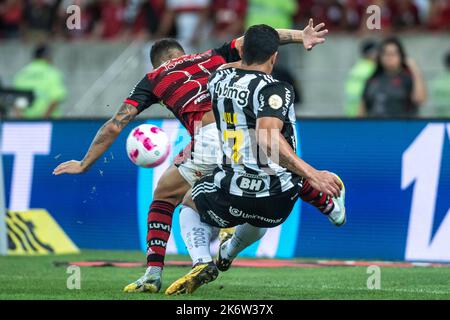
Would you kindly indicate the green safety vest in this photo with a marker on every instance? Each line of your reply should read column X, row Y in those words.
column 277, row 14
column 46, row 83
column 355, row 84
column 440, row 95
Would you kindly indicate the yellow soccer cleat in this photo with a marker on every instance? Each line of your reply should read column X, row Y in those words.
column 222, row 263
column 200, row 274
column 226, row 233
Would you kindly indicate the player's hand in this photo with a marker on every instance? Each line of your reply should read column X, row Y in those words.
column 326, row 182
column 70, row 167
column 313, row 35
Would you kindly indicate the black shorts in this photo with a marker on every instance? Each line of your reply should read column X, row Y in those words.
column 221, row 209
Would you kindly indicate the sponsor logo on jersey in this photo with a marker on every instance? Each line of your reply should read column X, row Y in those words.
column 261, row 103
column 275, row 101
column 287, row 99
column 221, row 222
column 235, row 92
column 239, row 213
column 250, row 184
column 202, row 98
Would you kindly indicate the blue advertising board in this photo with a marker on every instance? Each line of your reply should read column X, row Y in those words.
column 396, row 172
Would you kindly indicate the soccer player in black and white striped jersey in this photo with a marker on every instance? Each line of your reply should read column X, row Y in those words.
column 260, row 176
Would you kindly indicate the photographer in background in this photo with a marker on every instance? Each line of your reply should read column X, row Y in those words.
column 45, row 80
column 397, row 87
column 359, row 73
column 440, row 90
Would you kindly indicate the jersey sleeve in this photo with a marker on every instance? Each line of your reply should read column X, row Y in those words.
column 275, row 100
column 142, row 96
column 229, row 52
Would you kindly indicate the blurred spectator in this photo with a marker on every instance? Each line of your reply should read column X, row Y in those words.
column 190, row 17
column 277, row 14
column 228, row 18
column 11, row 18
column 397, row 87
column 405, row 15
column 354, row 13
column 357, row 78
column 45, row 81
column 439, row 16
column 111, row 24
column 39, row 17
column 147, row 21
column 112, row 19
column 440, row 90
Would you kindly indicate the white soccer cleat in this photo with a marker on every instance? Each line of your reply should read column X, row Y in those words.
column 338, row 216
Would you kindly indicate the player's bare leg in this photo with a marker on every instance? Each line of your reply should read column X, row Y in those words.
column 168, row 194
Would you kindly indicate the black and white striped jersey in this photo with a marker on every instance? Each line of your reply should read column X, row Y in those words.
column 239, row 97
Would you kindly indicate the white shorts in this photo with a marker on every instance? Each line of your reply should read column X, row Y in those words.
column 205, row 155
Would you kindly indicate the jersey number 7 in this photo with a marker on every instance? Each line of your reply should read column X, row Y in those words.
column 238, row 137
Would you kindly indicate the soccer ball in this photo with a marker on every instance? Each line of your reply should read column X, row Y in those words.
column 147, row 146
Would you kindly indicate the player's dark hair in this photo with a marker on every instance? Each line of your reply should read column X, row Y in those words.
column 161, row 49
column 368, row 47
column 260, row 43
column 42, row 51
column 447, row 60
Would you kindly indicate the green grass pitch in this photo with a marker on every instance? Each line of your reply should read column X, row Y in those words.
column 37, row 278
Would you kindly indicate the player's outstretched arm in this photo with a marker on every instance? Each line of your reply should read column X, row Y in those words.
column 271, row 140
column 310, row 36
column 102, row 141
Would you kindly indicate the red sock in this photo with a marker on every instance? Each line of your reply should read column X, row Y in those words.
column 159, row 226
column 321, row 201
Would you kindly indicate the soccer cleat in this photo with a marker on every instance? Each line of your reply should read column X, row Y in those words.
column 338, row 215
column 146, row 283
column 225, row 232
column 222, row 263
column 201, row 273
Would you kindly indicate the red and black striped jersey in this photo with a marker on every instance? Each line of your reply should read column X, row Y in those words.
column 180, row 84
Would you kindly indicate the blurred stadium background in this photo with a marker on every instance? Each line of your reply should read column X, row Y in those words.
column 396, row 165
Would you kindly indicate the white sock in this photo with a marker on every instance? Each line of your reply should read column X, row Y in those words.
column 244, row 236
column 196, row 235
column 153, row 272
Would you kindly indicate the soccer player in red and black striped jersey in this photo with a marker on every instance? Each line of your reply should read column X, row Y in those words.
column 179, row 82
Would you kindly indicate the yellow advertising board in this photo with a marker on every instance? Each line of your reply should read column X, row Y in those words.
column 35, row 232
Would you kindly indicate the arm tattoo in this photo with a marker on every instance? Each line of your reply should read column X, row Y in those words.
column 124, row 116
column 289, row 36
column 106, row 134
column 287, row 161
column 101, row 137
